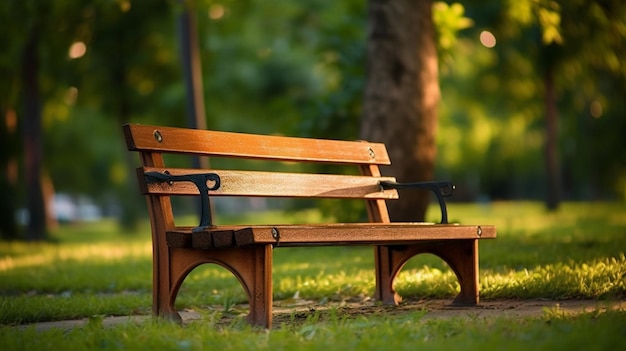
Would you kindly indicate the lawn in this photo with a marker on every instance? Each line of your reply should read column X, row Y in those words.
column 93, row 270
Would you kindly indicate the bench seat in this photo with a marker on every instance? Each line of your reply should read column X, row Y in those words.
column 325, row 234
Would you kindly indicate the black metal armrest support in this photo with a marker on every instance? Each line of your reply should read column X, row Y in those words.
column 200, row 180
column 441, row 190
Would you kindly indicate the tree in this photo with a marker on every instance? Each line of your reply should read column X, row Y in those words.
column 573, row 45
column 33, row 135
column 192, row 68
column 67, row 104
column 8, row 175
column 40, row 49
column 402, row 95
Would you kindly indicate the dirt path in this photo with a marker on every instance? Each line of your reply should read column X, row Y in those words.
column 299, row 310
column 444, row 309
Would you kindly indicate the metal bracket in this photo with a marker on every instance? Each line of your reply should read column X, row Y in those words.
column 441, row 190
column 276, row 235
column 200, row 180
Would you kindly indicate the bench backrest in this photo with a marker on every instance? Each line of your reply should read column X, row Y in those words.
column 153, row 141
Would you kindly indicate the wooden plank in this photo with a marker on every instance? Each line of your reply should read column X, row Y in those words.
column 329, row 234
column 228, row 144
column 274, row 184
column 178, row 239
column 203, row 241
column 222, row 238
column 216, row 237
column 376, row 209
column 359, row 234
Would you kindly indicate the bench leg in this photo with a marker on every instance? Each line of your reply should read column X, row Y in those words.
column 251, row 265
column 460, row 255
column 386, row 261
column 256, row 277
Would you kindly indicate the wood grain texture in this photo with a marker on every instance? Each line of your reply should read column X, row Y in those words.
column 328, row 234
column 274, row 184
column 268, row 147
column 359, row 234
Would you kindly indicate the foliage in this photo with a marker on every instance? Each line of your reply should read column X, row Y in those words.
column 449, row 21
column 297, row 68
column 502, row 92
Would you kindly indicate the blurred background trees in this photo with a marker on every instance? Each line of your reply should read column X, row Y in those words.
column 532, row 91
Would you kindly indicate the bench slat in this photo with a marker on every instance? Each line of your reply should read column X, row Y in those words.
column 327, row 234
column 359, row 234
column 273, row 184
column 228, row 144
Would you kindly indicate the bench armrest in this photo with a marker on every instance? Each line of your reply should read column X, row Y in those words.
column 441, row 190
column 200, row 180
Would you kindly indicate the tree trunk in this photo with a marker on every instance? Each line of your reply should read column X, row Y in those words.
column 130, row 199
column 36, row 229
column 553, row 177
column 192, row 74
column 9, row 176
column 192, row 68
column 402, row 96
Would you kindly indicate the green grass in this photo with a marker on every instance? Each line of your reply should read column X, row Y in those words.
column 411, row 331
column 92, row 270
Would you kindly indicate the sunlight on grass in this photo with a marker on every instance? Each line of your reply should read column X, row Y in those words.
column 31, row 308
column 576, row 252
column 339, row 286
column 532, row 216
column 426, row 282
column 594, row 331
column 48, row 254
column 598, row 279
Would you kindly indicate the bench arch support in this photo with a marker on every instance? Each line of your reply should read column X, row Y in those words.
column 252, row 266
column 460, row 255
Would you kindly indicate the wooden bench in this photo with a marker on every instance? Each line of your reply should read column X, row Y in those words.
column 246, row 250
